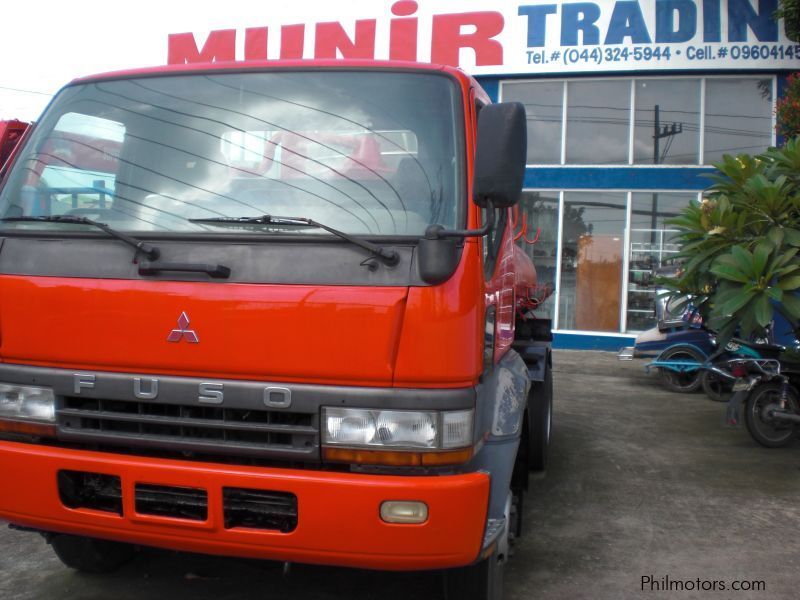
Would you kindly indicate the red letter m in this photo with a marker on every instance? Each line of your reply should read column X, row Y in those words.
column 220, row 46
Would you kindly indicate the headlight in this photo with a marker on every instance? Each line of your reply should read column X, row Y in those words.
column 27, row 403
column 396, row 429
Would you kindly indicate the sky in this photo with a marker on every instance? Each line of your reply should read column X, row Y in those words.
column 45, row 43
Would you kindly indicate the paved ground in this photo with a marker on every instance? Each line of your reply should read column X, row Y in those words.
column 642, row 483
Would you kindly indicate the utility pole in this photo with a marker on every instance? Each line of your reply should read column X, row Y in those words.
column 660, row 133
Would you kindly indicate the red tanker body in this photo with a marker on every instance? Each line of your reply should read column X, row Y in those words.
column 11, row 133
column 268, row 310
column 524, row 274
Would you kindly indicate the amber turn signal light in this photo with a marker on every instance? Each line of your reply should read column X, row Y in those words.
column 394, row 458
column 26, row 428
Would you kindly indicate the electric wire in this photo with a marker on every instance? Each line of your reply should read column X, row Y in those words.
column 347, row 120
column 11, row 89
column 278, row 180
column 287, row 130
column 235, row 128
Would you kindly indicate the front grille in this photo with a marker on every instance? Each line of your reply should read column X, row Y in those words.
column 192, row 428
column 170, row 501
column 79, row 489
column 259, row 509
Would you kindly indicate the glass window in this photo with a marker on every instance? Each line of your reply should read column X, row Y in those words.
column 591, row 261
column 537, row 228
column 667, row 121
column 366, row 152
column 544, row 103
column 598, row 122
column 738, row 117
column 652, row 247
column 74, row 170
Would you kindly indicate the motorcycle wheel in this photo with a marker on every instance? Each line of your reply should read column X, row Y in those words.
column 681, row 382
column 715, row 388
column 768, row 432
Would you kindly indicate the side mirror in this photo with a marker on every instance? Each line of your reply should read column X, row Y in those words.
column 501, row 154
column 11, row 133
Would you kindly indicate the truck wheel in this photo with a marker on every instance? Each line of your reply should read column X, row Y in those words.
column 483, row 580
column 91, row 555
column 768, row 432
column 681, row 382
column 540, row 417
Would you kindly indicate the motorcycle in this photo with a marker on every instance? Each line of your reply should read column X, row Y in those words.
column 767, row 390
column 685, row 367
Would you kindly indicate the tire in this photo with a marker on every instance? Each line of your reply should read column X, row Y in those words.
column 681, row 382
column 768, row 433
column 481, row 581
column 715, row 388
column 484, row 579
column 91, row 555
column 540, row 421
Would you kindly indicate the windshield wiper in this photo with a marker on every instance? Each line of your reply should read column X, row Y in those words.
column 389, row 257
column 151, row 252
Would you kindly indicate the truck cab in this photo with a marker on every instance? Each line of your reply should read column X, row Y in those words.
column 272, row 310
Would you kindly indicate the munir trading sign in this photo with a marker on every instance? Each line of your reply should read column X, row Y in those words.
column 529, row 37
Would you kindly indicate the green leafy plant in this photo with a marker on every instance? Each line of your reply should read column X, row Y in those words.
column 787, row 109
column 740, row 245
column 789, row 11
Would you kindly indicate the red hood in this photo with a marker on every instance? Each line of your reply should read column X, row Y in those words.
column 313, row 334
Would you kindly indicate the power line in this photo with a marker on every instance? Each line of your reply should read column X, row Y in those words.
column 10, row 89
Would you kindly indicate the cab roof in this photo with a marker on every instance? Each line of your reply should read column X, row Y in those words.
column 275, row 65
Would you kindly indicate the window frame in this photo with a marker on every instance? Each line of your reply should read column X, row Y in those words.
column 623, row 320
column 772, row 77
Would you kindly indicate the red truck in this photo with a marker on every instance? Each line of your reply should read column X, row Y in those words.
column 272, row 310
column 11, row 133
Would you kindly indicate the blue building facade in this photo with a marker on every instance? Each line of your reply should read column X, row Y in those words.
column 612, row 157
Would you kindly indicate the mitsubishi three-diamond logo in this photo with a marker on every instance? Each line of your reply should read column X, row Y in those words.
column 183, row 332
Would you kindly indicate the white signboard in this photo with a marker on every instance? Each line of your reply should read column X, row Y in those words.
column 484, row 37
column 533, row 36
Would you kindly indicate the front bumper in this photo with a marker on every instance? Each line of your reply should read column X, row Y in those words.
column 338, row 513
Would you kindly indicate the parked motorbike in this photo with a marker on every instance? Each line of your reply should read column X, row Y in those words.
column 686, row 367
column 685, row 350
column 767, row 389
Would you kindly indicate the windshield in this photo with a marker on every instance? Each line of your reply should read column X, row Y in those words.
column 369, row 152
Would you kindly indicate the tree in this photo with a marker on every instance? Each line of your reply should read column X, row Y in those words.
column 741, row 243
column 787, row 109
column 789, row 11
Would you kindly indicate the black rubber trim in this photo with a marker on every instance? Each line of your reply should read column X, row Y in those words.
column 276, row 261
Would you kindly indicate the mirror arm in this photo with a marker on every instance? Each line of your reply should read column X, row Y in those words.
column 437, row 232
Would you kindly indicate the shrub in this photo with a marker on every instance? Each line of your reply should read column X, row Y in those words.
column 740, row 244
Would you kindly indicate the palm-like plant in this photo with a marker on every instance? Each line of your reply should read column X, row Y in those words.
column 740, row 244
